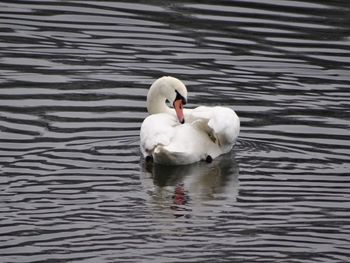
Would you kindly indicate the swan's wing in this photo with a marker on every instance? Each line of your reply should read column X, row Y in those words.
column 221, row 123
column 156, row 129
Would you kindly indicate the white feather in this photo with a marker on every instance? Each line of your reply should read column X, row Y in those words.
column 208, row 131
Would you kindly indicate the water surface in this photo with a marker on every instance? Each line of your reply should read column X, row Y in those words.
column 73, row 82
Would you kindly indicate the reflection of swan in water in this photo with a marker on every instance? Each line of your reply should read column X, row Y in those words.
column 192, row 189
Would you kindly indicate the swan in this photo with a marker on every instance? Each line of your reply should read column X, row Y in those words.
column 178, row 136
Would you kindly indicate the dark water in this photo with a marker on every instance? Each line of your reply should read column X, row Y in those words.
column 74, row 77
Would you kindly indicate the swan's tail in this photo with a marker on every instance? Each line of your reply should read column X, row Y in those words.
column 165, row 156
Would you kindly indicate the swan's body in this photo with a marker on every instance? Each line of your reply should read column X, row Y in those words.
column 206, row 132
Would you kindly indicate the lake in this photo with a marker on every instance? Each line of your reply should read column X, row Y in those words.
column 74, row 76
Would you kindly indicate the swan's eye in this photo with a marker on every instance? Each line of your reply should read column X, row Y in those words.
column 180, row 97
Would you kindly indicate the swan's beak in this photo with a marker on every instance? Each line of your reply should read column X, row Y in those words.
column 178, row 105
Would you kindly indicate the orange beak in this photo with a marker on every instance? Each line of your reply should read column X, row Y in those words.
column 178, row 105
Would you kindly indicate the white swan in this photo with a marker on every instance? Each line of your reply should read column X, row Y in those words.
column 182, row 136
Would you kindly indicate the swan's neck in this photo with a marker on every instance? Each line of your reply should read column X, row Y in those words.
column 156, row 103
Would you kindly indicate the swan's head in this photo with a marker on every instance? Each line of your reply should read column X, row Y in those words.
column 174, row 91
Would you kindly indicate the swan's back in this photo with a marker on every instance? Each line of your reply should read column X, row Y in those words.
column 209, row 131
column 189, row 144
column 156, row 129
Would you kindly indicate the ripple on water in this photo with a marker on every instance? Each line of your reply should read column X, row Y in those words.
column 74, row 79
